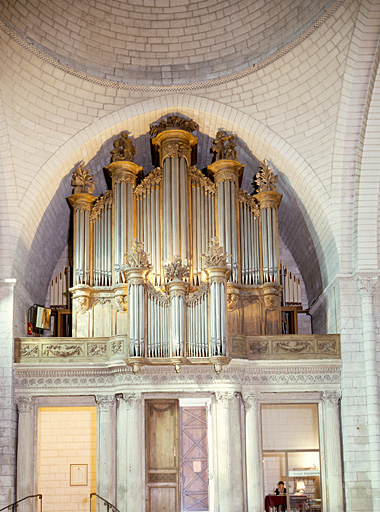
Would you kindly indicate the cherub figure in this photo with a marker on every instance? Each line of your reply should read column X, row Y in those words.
column 218, row 147
column 129, row 149
column 117, row 153
column 230, row 151
column 123, row 149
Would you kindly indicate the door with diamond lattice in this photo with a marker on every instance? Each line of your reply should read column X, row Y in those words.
column 194, row 459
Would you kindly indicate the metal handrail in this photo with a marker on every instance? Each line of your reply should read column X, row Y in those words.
column 106, row 503
column 13, row 506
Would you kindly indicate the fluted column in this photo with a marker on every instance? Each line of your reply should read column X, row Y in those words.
column 236, row 453
column 227, row 175
column 253, row 452
column 223, row 446
column 123, row 174
column 135, row 451
column 129, row 454
column 334, row 477
column 25, row 449
column 106, row 447
column 367, row 286
column 81, row 204
column 177, row 292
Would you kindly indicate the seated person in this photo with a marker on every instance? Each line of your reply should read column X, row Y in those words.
column 280, row 488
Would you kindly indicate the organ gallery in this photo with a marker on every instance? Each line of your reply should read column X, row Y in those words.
column 178, row 357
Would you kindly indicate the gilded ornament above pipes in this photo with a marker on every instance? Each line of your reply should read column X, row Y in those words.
column 123, row 149
column 82, row 180
column 266, row 179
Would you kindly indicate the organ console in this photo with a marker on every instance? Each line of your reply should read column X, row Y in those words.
column 180, row 260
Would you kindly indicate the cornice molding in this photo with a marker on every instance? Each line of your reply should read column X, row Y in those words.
column 63, row 380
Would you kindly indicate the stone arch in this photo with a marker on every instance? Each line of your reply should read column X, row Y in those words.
column 306, row 226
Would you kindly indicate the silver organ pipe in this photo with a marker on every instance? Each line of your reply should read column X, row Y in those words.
column 203, row 219
column 249, row 239
column 197, row 328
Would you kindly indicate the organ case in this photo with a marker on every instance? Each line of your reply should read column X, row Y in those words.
column 180, row 261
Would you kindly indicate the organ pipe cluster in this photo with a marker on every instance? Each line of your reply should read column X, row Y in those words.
column 170, row 247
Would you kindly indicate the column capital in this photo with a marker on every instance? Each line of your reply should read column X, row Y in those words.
column 223, row 398
column 331, row 398
column 132, row 400
column 251, row 400
column 366, row 283
column 24, row 403
column 105, row 402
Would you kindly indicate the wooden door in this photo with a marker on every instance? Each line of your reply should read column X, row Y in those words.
column 194, row 459
column 162, row 455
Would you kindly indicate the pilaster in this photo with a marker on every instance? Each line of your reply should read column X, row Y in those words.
column 223, row 447
column 253, row 452
column 106, row 447
column 334, row 476
column 26, row 459
column 367, row 283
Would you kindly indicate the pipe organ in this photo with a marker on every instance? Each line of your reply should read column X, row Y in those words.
column 180, row 262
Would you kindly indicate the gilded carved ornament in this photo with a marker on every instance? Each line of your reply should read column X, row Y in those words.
column 198, row 295
column 233, row 301
column 123, row 149
column 29, row 351
column 153, row 179
column 82, row 180
column 122, row 302
column 116, row 347
column 157, row 294
column 100, row 204
column 175, row 150
column 244, row 197
column 198, row 177
column 224, row 146
column 82, row 304
column 293, row 346
column 176, row 269
column 266, row 179
column 173, row 121
column 136, row 257
column 64, row 350
column 215, row 255
column 271, row 302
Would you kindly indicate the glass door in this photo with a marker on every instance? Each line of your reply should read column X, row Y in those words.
column 291, row 457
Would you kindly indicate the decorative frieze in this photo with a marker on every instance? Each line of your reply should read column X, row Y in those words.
column 32, row 381
column 294, row 347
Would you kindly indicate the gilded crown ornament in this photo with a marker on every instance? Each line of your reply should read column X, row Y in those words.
column 266, row 179
column 82, row 180
column 215, row 255
column 173, row 121
column 175, row 269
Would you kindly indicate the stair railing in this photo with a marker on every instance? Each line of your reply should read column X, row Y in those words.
column 110, row 507
column 13, row 506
